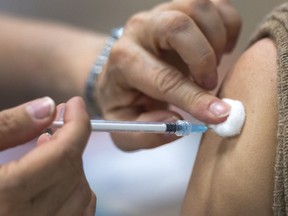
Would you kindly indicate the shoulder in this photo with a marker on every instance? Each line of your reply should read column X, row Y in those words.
column 234, row 176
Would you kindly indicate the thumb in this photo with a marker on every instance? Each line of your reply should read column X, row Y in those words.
column 23, row 123
column 164, row 82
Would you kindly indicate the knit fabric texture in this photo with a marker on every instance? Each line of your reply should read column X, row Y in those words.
column 275, row 27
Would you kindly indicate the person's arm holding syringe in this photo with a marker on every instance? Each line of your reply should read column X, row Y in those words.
column 166, row 56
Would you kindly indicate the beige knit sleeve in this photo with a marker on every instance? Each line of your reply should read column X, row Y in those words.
column 275, row 26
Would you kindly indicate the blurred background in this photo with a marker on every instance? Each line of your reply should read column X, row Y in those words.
column 150, row 182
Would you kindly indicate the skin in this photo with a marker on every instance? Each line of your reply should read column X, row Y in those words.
column 166, row 64
column 234, row 176
column 172, row 59
column 48, row 59
column 169, row 47
column 49, row 180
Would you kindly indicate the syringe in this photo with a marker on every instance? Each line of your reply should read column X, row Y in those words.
column 180, row 127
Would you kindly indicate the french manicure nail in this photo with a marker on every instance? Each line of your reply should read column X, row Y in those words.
column 220, row 109
column 41, row 108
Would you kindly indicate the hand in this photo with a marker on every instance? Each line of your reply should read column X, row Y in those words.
column 168, row 55
column 49, row 180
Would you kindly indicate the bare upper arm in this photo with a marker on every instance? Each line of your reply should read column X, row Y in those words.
column 234, row 176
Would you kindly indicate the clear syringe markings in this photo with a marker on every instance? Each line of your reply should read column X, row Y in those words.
column 179, row 128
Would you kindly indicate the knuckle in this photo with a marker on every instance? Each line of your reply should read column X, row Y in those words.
column 195, row 98
column 136, row 21
column 120, row 61
column 219, row 3
column 173, row 22
column 7, row 123
column 199, row 5
column 167, row 80
column 206, row 58
column 203, row 4
column 120, row 55
column 229, row 14
column 193, row 8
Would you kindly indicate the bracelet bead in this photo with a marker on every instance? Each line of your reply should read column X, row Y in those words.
column 97, row 68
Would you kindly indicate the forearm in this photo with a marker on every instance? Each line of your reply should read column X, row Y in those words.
column 41, row 58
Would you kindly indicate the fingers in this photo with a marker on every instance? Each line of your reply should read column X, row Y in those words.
column 78, row 203
column 198, row 31
column 51, row 178
column 173, row 30
column 61, row 156
column 77, row 128
column 207, row 18
column 165, row 83
column 56, row 196
column 146, row 141
column 211, row 16
column 23, row 123
column 70, row 196
column 44, row 138
column 231, row 20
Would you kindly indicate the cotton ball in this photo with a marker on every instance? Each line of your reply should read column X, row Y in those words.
column 235, row 121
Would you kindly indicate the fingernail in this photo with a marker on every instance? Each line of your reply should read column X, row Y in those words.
column 210, row 82
column 220, row 109
column 41, row 108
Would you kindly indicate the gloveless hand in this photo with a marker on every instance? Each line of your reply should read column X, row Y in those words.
column 168, row 55
column 49, row 180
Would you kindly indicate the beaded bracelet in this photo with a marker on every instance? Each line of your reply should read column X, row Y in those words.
column 97, row 68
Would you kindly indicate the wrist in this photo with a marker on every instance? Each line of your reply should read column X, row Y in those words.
column 78, row 60
column 43, row 58
column 96, row 70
